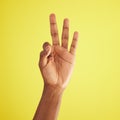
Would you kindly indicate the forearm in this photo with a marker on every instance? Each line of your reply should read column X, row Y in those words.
column 49, row 105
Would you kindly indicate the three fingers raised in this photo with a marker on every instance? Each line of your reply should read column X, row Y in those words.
column 65, row 34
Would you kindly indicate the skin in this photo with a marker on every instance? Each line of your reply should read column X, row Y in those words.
column 56, row 65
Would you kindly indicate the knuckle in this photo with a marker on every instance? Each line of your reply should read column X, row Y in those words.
column 65, row 27
column 65, row 37
column 73, row 46
column 54, row 34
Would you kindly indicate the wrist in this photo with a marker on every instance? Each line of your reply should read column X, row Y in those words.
column 49, row 104
column 53, row 90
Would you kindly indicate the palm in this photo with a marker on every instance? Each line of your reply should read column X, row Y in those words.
column 56, row 61
column 59, row 70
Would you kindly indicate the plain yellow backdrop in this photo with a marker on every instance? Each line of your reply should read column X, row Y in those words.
column 94, row 89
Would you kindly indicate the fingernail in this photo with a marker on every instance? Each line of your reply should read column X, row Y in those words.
column 47, row 48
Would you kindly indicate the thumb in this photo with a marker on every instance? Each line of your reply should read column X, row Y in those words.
column 47, row 51
column 44, row 56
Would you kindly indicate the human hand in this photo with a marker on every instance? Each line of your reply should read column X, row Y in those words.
column 57, row 61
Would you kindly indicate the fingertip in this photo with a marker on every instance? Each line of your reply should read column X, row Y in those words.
column 76, row 34
column 52, row 16
column 66, row 20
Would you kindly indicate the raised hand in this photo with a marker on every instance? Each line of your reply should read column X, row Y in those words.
column 57, row 61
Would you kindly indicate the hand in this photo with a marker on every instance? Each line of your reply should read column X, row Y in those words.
column 56, row 61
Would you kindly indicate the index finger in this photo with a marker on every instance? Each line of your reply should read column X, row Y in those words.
column 54, row 30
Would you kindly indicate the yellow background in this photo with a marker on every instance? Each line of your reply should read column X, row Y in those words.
column 94, row 89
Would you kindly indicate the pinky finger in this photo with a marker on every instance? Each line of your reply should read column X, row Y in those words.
column 74, row 43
